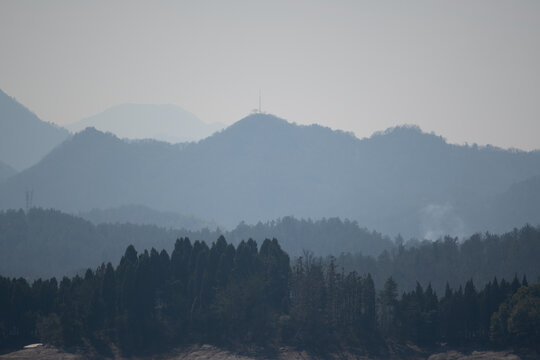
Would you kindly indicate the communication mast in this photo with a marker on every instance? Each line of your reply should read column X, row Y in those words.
column 259, row 101
column 29, row 198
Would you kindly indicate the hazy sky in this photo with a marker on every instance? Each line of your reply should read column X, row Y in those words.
column 467, row 70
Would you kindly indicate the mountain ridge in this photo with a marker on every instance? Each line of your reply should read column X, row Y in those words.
column 47, row 242
column 24, row 138
column 263, row 167
column 143, row 215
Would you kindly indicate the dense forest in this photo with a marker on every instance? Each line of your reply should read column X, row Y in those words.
column 250, row 296
column 479, row 257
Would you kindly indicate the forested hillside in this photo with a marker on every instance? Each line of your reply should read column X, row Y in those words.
column 262, row 168
column 143, row 215
column 322, row 237
column 44, row 243
column 480, row 258
column 521, row 202
column 245, row 296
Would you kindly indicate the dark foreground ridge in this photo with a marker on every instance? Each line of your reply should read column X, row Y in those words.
column 253, row 301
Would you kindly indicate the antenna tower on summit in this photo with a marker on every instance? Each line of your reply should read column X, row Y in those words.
column 259, row 101
column 29, row 198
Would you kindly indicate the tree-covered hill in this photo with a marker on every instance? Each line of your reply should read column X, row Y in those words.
column 143, row 215
column 322, row 237
column 480, row 257
column 521, row 202
column 44, row 243
column 262, row 167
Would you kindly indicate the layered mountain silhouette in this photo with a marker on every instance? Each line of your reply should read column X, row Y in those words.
column 262, row 167
column 24, row 138
column 168, row 123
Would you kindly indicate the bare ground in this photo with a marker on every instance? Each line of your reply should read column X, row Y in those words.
column 207, row 352
column 475, row 355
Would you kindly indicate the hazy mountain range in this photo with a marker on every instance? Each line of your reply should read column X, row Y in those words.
column 398, row 181
column 24, row 138
column 142, row 121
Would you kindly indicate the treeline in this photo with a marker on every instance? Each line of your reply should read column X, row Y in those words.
column 245, row 296
column 480, row 257
column 143, row 215
column 327, row 236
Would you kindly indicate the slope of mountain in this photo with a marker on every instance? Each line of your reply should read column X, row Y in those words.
column 399, row 181
column 323, row 237
column 167, row 123
column 95, row 170
column 6, row 171
column 518, row 205
column 46, row 243
column 143, row 215
column 24, row 138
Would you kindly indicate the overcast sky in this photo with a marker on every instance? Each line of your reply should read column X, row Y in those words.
column 466, row 70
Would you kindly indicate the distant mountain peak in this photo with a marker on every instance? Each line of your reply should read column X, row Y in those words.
column 163, row 122
column 254, row 125
column 92, row 131
column 259, row 127
column 405, row 128
column 402, row 130
column 260, row 119
column 407, row 134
